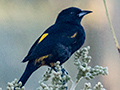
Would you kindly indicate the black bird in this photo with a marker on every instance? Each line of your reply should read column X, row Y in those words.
column 57, row 43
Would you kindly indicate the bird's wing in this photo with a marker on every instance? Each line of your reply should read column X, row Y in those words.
column 48, row 40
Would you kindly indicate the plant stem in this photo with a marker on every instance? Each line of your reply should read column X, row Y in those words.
column 74, row 84
column 111, row 26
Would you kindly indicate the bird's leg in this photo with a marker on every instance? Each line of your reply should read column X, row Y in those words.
column 55, row 69
column 64, row 71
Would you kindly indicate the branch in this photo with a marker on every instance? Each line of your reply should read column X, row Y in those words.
column 111, row 26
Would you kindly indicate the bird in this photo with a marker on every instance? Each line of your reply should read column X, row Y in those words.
column 57, row 43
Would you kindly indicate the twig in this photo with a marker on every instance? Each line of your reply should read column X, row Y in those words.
column 111, row 26
column 74, row 84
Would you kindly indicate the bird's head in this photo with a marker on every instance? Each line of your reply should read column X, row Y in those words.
column 71, row 15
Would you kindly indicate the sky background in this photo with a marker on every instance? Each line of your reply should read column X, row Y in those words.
column 23, row 21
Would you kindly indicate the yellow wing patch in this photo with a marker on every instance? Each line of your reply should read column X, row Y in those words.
column 42, row 37
column 41, row 59
column 74, row 35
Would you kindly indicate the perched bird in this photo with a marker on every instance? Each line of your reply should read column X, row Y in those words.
column 57, row 43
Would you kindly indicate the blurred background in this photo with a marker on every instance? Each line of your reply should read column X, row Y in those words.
column 23, row 21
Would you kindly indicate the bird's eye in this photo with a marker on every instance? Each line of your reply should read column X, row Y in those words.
column 71, row 12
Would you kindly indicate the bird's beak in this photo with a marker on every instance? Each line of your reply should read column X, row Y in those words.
column 82, row 13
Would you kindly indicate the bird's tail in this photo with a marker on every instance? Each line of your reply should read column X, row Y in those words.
column 25, row 76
